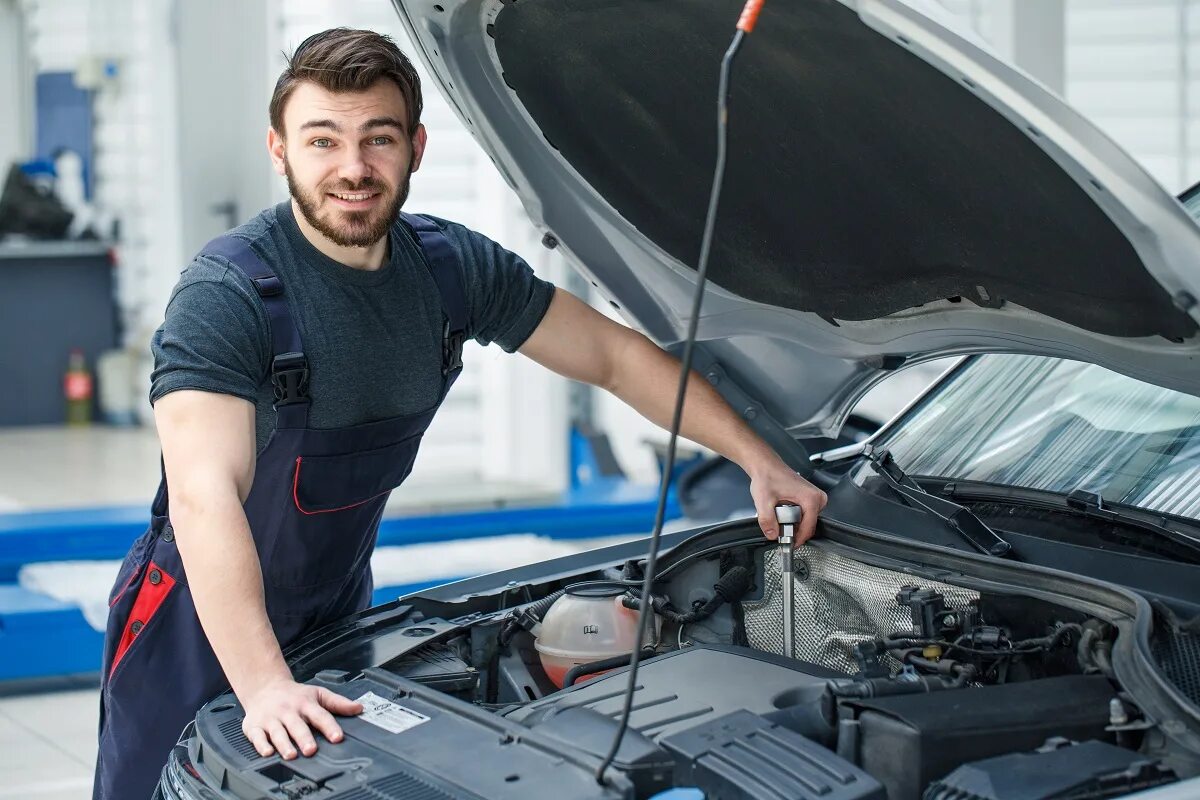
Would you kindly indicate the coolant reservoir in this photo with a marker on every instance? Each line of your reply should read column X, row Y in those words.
column 588, row 623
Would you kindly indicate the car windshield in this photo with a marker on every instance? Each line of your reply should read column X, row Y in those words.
column 1055, row 425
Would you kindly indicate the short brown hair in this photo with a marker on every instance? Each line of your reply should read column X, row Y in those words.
column 348, row 60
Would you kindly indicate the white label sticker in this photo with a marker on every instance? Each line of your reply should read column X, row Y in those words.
column 388, row 715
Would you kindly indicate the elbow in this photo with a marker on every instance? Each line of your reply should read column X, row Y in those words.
column 622, row 360
column 200, row 496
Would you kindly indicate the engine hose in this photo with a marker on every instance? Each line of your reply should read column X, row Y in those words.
column 540, row 608
column 662, row 607
column 1051, row 641
column 579, row 670
column 1083, row 651
column 524, row 617
column 731, row 587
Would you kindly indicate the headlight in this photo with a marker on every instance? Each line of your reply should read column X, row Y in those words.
column 180, row 780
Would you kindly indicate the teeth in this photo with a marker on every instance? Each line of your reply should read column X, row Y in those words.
column 352, row 198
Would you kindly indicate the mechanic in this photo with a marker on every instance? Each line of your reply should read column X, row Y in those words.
column 302, row 356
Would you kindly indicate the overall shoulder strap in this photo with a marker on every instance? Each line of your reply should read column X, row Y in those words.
column 289, row 367
column 443, row 264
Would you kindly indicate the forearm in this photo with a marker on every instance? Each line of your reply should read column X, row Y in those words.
column 225, row 579
column 647, row 379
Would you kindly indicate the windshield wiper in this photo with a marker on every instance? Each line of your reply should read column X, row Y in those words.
column 1083, row 503
column 962, row 521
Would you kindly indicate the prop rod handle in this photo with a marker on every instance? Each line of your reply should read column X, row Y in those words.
column 749, row 15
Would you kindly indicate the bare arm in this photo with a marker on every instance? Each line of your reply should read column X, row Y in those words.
column 208, row 448
column 578, row 342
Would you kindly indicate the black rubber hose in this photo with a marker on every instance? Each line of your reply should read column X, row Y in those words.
column 540, row 608
column 535, row 611
column 731, row 587
column 1051, row 641
column 579, row 670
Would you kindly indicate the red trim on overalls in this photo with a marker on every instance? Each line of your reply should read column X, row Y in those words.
column 302, row 510
column 121, row 593
column 150, row 598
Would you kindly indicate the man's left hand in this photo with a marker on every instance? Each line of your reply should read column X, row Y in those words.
column 776, row 484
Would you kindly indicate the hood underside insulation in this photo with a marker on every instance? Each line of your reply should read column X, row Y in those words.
column 861, row 180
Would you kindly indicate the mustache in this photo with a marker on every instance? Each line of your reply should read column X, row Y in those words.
column 363, row 185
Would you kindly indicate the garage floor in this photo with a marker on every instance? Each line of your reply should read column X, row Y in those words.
column 48, row 745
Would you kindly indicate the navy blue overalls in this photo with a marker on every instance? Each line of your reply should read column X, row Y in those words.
column 314, row 510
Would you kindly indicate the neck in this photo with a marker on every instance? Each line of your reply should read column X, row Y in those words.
column 369, row 258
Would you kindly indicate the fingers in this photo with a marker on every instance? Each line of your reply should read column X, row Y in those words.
column 323, row 721
column 258, row 738
column 768, row 523
column 812, row 506
column 788, row 488
column 297, row 728
column 338, row 704
column 281, row 740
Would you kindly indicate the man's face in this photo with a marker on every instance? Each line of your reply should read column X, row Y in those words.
column 347, row 159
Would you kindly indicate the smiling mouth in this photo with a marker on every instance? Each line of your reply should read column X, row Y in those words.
column 353, row 199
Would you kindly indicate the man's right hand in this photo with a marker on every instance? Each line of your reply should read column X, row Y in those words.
column 278, row 716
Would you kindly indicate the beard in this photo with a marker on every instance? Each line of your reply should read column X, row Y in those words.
column 349, row 228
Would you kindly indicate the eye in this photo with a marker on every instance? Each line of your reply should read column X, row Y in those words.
column 381, row 140
column 321, row 143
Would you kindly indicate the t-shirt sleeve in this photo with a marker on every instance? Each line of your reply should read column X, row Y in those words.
column 505, row 300
column 214, row 337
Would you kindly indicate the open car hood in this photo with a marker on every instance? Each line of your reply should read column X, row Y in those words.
column 894, row 192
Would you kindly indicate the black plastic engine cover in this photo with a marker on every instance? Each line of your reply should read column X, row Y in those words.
column 680, row 690
column 1059, row 770
column 741, row 756
column 417, row 742
column 907, row 741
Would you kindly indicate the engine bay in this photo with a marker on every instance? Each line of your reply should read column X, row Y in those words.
column 903, row 686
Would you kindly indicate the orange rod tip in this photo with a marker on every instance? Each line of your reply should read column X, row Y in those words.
column 749, row 15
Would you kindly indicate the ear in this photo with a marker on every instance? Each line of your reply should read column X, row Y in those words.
column 275, row 147
column 418, row 147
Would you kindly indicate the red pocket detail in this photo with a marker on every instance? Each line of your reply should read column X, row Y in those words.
column 302, row 510
column 121, row 593
column 150, row 597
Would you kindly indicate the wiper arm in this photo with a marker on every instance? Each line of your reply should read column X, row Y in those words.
column 962, row 521
column 1084, row 503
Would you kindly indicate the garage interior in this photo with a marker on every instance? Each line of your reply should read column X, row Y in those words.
column 154, row 147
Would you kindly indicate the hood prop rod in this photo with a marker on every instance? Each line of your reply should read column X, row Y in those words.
column 745, row 25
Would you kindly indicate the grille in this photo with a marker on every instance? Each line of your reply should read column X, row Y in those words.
column 231, row 729
column 839, row 603
column 1178, row 654
column 401, row 787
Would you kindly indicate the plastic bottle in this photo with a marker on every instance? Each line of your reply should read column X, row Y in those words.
column 78, row 390
column 588, row 623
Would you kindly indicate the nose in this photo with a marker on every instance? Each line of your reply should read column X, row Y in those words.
column 354, row 167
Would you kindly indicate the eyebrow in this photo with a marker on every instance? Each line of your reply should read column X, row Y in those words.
column 374, row 122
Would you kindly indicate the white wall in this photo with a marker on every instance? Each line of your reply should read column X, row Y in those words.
column 16, row 121
column 222, row 72
column 1132, row 66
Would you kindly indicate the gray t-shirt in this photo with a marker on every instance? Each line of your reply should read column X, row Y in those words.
column 373, row 339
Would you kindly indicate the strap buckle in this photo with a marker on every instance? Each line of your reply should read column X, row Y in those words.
column 289, row 376
column 452, row 349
